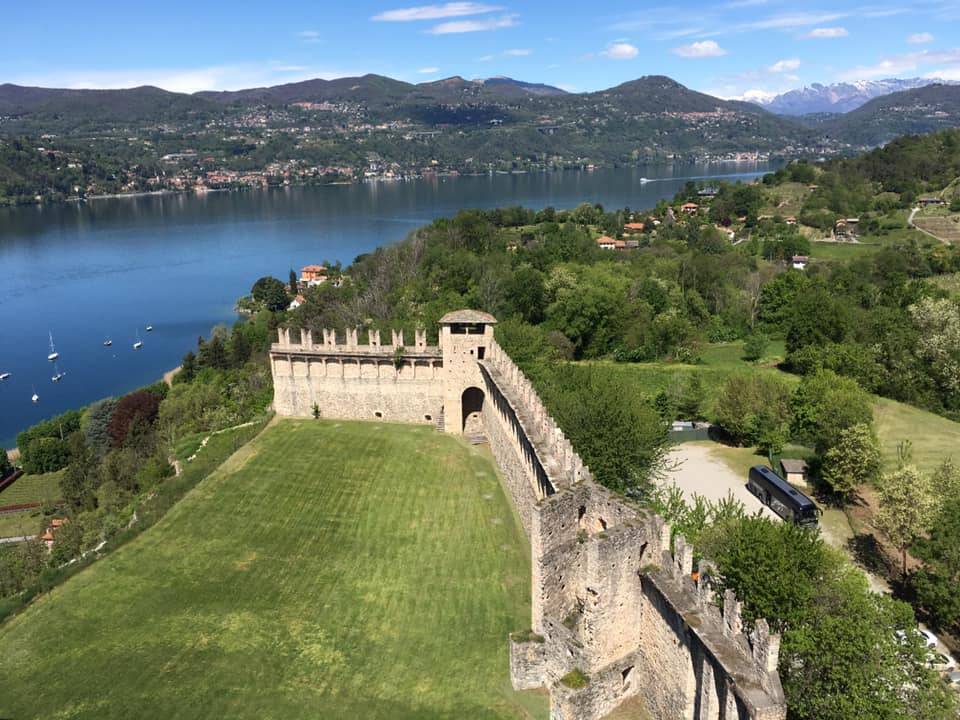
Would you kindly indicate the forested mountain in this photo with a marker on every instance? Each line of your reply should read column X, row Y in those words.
column 910, row 112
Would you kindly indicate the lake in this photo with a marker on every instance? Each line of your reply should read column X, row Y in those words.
column 110, row 267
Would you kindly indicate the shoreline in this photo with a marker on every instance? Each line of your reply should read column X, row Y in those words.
column 363, row 181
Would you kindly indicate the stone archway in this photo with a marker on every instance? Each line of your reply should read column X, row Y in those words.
column 471, row 403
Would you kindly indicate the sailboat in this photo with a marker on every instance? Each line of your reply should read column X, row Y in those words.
column 149, row 328
column 108, row 342
column 53, row 352
column 58, row 374
column 139, row 343
column 4, row 376
column 35, row 398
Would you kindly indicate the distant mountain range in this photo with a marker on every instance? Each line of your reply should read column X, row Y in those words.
column 839, row 97
column 641, row 118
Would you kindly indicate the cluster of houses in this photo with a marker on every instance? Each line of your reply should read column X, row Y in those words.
column 846, row 229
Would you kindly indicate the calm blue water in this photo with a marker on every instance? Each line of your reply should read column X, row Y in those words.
column 111, row 267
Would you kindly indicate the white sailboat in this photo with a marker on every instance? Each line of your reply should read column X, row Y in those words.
column 35, row 398
column 4, row 376
column 108, row 342
column 53, row 352
column 149, row 328
column 58, row 374
column 139, row 343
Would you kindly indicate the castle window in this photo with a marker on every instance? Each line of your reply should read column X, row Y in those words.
column 378, row 414
column 625, row 676
column 428, row 418
column 480, row 352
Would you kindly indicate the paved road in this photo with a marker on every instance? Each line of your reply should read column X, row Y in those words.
column 16, row 539
column 699, row 472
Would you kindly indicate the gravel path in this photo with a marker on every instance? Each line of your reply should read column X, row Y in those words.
column 698, row 471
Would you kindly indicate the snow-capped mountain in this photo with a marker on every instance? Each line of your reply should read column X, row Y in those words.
column 838, row 97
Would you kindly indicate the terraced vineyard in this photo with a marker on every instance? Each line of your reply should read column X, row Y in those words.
column 327, row 570
column 946, row 228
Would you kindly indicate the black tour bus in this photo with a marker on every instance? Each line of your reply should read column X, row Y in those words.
column 786, row 501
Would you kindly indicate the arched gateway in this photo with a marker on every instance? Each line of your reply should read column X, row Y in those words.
column 472, row 410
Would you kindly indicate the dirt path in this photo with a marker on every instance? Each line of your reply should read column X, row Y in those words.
column 168, row 375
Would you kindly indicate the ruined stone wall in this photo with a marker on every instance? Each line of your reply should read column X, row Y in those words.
column 357, row 381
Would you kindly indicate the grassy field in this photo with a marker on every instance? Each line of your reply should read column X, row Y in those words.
column 933, row 438
column 341, row 570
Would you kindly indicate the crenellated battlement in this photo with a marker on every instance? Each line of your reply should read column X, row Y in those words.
column 330, row 342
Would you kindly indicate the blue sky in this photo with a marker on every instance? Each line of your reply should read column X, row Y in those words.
column 735, row 48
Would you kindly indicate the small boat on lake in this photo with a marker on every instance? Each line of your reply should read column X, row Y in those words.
column 149, row 328
column 53, row 351
column 35, row 398
column 4, row 376
column 108, row 342
column 139, row 343
column 58, row 374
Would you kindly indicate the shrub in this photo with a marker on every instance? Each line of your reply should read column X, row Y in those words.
column 754, row 409
column 576, row 679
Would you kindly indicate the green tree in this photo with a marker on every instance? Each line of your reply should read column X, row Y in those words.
column 294, row 283
column 853, row 460
column 619, row 435
column 755, row 346
column 825, row 404
column 96, row 427
column 752, row 407
column 936, row 582
column 45, row 454
column 691, row 398
column 272, row 293
column 907, row 508
column 6, row 467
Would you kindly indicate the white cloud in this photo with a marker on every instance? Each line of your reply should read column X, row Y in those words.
column 920, row 38
column 784, row 65
column 827, row 33
column 185, row 80
column 518, row 52
column 434, row 12
column 703, row 49
column 428, row 70
column 620, row 51
column 468, row 26
column 896, row 65
column 485, row 58
column 951, row 74
column 756, row 96
column 310, row 36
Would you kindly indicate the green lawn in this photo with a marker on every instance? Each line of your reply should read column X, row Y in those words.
column 717, row 362
column 326, row 570
column 933, row 438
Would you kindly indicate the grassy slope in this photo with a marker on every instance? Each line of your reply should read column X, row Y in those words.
column 29, row 488
column 326, row 570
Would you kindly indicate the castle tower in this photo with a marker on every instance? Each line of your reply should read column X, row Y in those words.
column 465, row 337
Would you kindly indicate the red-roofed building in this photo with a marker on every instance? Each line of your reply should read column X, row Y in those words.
column 313, row 275
column 606, row 243
column 689, row 208
column 634, row 227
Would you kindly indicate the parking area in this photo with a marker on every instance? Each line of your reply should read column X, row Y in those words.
column 696, row 471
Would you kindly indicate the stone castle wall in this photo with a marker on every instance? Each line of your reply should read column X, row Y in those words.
column 357, row 381
column 609, row 598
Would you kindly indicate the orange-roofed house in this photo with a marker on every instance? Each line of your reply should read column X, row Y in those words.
column 689, row 208
column 606, row 243
column 634, row 227
column 311, row 275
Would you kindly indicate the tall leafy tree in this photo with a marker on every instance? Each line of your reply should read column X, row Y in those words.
column 908, row 507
